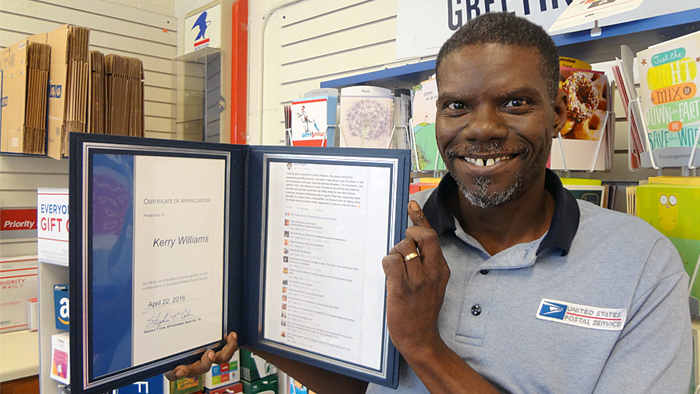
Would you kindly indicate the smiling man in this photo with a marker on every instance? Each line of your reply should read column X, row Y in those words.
column 505, row 282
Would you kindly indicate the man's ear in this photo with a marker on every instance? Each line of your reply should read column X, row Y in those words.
column 559, row 112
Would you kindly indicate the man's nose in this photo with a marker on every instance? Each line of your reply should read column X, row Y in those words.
column 485, row 123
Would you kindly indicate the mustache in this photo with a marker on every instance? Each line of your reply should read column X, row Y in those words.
column 478, row 148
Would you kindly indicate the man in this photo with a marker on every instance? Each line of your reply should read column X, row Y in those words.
column 505, row 283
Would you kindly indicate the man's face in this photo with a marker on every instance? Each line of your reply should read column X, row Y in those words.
column 495, row 120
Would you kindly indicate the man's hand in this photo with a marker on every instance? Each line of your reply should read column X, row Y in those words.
column 204, row 364
column 417, row 275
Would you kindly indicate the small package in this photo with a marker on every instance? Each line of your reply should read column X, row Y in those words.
column 60, row 301
column 224, row 374
column 60, row 368
column 267, row 385
column 253, row 367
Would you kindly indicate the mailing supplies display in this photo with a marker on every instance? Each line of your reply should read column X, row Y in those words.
column 175, row 243
column 25, row 68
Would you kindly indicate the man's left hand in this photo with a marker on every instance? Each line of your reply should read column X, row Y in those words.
column 417, row 275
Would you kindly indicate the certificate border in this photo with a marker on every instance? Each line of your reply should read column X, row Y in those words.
column 83, row 148
column 392, row 164
column 255, row 187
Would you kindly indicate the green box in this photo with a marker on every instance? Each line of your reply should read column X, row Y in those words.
column 253, row 367
column 267, row 385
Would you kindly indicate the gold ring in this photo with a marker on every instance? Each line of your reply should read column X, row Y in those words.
column 410, row 256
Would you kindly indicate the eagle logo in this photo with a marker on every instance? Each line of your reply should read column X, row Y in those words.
column 202, row 23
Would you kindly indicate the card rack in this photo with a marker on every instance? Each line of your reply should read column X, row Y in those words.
column 608, row 115
column 646, row 158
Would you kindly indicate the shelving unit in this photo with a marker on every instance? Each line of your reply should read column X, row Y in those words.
column 638, row 35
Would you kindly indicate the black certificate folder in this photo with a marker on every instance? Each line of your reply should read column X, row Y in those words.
column 176, row 243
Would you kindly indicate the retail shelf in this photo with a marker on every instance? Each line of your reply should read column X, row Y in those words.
column 638, row 35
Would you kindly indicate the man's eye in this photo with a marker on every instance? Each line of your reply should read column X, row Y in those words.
column 455, row 106
column 516, row 102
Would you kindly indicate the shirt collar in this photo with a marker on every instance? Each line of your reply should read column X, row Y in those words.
column 562, row 228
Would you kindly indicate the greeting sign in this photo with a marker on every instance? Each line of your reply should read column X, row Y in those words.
column 424, row 25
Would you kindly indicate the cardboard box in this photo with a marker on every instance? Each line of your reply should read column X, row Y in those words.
column 60, row 357
column 18, row 285
column 253, row 367
column 267, row 385
column 235, row 388
column 60, row 302
column 25, row 67
column 68, row 86
column 223, row 375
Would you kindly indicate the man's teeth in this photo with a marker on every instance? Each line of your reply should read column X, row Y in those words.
column 485, row 162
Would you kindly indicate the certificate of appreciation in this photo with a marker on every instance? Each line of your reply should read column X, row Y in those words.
column 154, row 256
column 178, row 262
column 174, row 244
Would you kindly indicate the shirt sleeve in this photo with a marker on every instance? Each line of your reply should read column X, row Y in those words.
column 654, row 351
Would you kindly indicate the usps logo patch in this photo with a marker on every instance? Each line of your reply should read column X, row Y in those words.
column 55, row 91
column 582, row 315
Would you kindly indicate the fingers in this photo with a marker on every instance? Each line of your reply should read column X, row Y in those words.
column 225, row 354
column 193, row 370
column 392, row 263
column 417, row 216
column 208, row 358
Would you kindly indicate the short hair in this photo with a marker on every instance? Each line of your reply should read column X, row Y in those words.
column 506, row 29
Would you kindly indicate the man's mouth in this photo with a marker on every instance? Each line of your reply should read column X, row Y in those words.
column 489, row 161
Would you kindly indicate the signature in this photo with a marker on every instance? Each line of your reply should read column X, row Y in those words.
column 163, row 319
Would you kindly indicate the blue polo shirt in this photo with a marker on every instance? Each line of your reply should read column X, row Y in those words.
column 597, row 305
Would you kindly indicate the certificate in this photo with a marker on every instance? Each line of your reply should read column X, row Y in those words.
column 326, row 234
column 174, row 244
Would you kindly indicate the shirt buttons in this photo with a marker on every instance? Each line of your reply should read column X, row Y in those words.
column 476, row 310
column 484, row 272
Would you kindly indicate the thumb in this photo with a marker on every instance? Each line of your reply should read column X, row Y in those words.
column 417, row 216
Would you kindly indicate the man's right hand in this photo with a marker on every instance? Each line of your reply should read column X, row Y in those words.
column 208, row 358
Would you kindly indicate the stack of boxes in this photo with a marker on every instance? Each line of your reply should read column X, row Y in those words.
column 52, row 85
column 257, row 375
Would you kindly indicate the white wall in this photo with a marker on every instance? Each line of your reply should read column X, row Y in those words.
column 145, row 29
column 311, row 41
